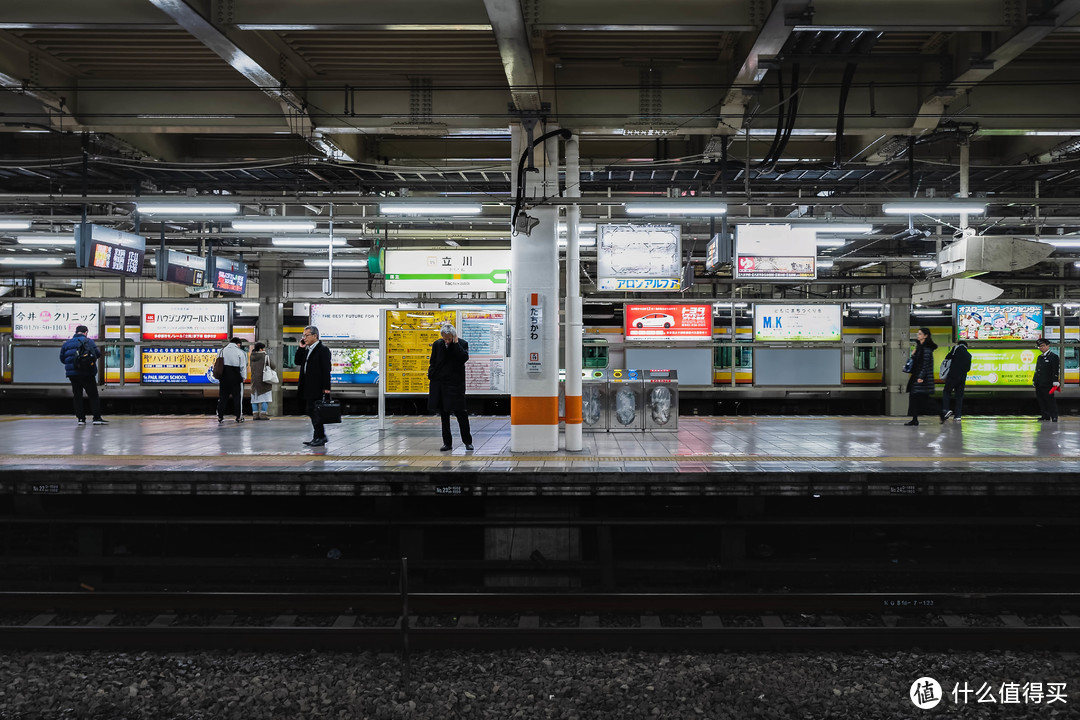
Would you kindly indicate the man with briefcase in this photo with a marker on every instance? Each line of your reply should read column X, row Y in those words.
column 315, row 383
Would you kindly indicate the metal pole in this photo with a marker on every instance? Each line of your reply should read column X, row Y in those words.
column 406, row 680
column 965, row 166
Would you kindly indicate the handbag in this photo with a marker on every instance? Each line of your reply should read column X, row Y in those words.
column 269, row 376
column 329, row 412
column 219, row 367
column 909, row 365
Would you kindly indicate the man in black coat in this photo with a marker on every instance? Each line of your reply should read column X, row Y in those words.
column 83, row 379
column 314, row 381
column 959, row 365
column 446, row 393
column 1047, row 368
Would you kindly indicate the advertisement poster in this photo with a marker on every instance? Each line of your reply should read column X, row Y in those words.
column 185, row 321
column 447, row 270
column 409, row 335
column 178, row 366
column 54, row 321
column 999, row 322
column 639, row 257
column 669, row 322
column 818, row 323
column 775, row 252
column 354, row 366
column 347, row 322
column 485, row 331
column 1002, row 368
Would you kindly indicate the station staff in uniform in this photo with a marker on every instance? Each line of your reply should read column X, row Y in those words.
column 82, row 380
column 314, row 381
column 1047, row 369
column 446, row 392
column 231, row 385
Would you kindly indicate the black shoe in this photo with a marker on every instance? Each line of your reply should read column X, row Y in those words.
column 468, row 446
column 912, row 422
column 220, row 420
column 240, row 419
column 317, row 442
column 948, row 414
column 1053, row 419
column 82, row 421
column 100, row 421
column 444, row 448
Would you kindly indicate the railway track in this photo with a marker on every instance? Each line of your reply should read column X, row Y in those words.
column 373, row 622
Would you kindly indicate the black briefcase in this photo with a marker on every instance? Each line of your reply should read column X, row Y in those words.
column 329, row 412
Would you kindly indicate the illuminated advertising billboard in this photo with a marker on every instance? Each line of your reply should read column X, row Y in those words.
column 817, row 323
column 346, row 322
column 668, row 322
column 998, row 367
column 999, row 322
column 108, row 250
column 229, row 275
column 639, row 258
column 185, row 321
column 178, row 366
column 54, row 321
column 447, row 270
column 354, row 366
column 775, row 252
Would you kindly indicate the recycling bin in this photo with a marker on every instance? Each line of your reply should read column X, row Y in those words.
column 661, row 393
column 625, row 400
column 594, row 400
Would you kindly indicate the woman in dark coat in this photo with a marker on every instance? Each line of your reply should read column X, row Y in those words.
column 920, row 385
column 446, row 393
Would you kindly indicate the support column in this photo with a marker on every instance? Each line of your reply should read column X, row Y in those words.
column 897, row 348
column 574, row 326
column 533, row 300
column 268, row 328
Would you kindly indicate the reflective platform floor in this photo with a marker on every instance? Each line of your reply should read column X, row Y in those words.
column 707, row 455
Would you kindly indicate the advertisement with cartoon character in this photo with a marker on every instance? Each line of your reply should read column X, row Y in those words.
column 999, row 322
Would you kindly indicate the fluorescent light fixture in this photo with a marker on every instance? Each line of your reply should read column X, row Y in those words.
column 925, row 207
column 582, row 227
column 823, row 242
column 179, row 207
column 6, row 224
column 582, row 242
column 45, row 239
column 835, row 228
column 304, row 241
column 337, row 263
column 430, row 208
column 1076, row 264
column 676, row 207
column 31, row 261
column 927, row 313
column 727, row 305
column 824, row 263
column 1062, row 243
column 1068, row 306
column 273, row 224
column 865, row 305
column 928, row 264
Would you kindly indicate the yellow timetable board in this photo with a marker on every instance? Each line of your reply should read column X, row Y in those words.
column 409, row 335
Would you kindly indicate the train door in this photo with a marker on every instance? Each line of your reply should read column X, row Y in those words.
column 862, row 356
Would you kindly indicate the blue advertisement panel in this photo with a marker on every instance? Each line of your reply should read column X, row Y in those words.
column 999, row 322
column 178, row 366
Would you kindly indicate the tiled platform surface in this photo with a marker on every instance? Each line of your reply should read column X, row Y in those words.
column 706, row 456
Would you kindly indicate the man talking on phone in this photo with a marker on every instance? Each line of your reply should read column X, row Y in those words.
column 446, row 392
column 314, row 381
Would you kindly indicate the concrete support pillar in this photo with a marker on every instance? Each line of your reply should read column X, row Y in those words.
column 897, row 348
column 268, row 328
column 533, row 299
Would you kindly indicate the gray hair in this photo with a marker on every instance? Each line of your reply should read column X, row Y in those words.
column 313, row 330
column 448, row 329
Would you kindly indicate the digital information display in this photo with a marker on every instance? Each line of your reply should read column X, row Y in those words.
column 775, row 252
column 817, row 323
column 347, row 322
column 447, row 270
column 54, row 321
column 229, row 275
column 178, row 366
column 998, row 367
column 668, row 322
column 108, row 250
column 639, row 257
column 485, row 331
column 181, row 268
column 999, row 322
column 185, row 321
column 408, row 337
column 354, row 366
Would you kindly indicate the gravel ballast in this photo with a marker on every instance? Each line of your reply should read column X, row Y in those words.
column 521, row 684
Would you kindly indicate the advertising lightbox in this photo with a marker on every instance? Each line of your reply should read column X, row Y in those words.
column 54, row 321
column 178, row 366
column 998, row 367
column 999, row 322
column 354, row 366
column 102, row 248
column 639, row 258
column 447, row 270
column 778, row 323
column 775, row 252
column 668, row 322
column 346, row 322
column 185, row 321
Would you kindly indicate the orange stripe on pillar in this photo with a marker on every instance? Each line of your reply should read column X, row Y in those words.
column 573, row 411
column 534, row 410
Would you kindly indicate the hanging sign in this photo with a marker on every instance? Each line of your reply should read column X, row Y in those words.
column 447, row 270
column 639, row 257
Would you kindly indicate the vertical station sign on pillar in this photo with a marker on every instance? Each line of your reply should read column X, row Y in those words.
column 534, row 346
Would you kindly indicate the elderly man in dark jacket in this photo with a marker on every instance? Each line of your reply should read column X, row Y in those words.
column 82, row 379
column 446, row 393
column 315, row 382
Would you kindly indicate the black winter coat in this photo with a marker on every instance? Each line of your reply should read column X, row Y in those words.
column 1047, row 369
column 446, row 374
column 922, row 367
column 314, row 371
column 960, row 366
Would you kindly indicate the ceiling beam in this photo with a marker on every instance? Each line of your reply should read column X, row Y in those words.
column 508, row 24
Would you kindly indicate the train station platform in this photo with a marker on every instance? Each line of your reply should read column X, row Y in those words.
column 708, row 456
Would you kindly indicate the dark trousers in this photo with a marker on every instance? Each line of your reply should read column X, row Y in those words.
column 87, row 383
column 463, row 425
column 318, row 430
column 946, row 399
column 230, row 393
column 919, row 404
column 1047, row 402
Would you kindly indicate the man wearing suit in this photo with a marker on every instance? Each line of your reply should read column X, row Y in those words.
column 446, row 393
column 1047, row 369
column 314, row 381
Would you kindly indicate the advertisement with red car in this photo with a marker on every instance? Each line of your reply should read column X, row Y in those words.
column 668, row 322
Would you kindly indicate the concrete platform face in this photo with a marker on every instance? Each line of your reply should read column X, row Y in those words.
column 795, row 456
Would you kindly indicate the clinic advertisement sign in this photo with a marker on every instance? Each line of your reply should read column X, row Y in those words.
column 185, row 321
column 54, row 321
column 347, row 322
column 668, row 322
column 639, row 258
column 775, row 252
column 993, row 367
column 447, row 270
column 178, row 366
column 999, row 322
column 815, row 323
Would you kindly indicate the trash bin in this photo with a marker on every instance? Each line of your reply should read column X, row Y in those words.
column 594, row 401
column 625, row 400
column 661, row 399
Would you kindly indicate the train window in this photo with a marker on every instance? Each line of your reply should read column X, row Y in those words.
column 594, row 355
column 288, row 353
column 744, row 357
column 1072, row 357
column 112, row 357
column 866, row 358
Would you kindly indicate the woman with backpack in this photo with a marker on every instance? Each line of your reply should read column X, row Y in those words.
column 954, row 371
